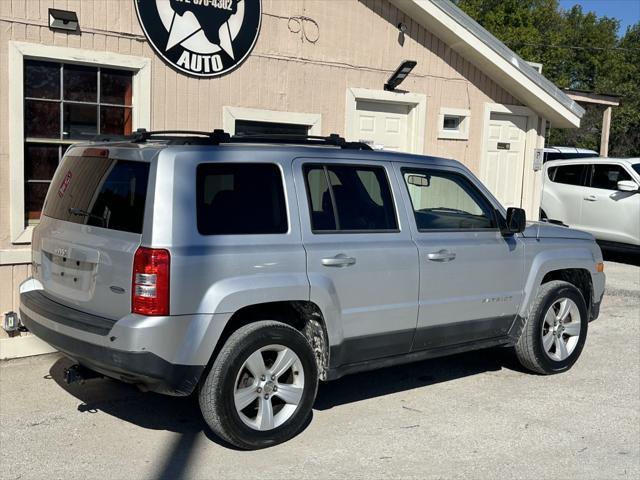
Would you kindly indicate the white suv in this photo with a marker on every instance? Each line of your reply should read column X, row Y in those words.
column 598, row 195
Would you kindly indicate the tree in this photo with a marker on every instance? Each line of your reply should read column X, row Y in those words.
column 578, row 50
column 624, row 79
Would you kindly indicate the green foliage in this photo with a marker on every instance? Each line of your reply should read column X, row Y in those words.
column 578, row 50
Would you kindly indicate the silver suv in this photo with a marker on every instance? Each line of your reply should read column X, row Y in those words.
column 244, row 270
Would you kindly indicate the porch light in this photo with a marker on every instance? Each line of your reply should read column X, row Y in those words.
column 11, row 322
column 64, row 20
column 399, row 75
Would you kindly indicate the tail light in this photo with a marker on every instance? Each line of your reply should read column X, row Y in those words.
column 150, row 289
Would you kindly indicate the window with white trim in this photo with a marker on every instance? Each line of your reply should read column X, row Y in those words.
column 65, row 103
column 454, row 124
column 255, row 121
column 23, row 52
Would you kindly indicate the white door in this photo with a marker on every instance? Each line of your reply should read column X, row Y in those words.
column 606, row 212
column 502, row 170
column 382, row 125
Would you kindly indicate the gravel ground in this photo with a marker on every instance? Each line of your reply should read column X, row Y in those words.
column 475, row 415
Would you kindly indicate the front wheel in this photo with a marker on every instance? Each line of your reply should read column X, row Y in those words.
column 261, row 387
column 556, row 330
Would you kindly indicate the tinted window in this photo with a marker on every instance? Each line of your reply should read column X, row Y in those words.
column 349, row 198
column 446, row 201
column 319, row 196
column 568, row 174
column 240, row 198
column 608, row 176
column 567, row 156
column 636, row 167
column 99, row 191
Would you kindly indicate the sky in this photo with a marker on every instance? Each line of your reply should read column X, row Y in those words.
column 627, row 11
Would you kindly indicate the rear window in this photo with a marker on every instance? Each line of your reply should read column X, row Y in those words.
column 240, row 199
column 567, row 174
column 98, row 191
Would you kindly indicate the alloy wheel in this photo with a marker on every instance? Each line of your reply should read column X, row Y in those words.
column 561, row 329
column 269, row 387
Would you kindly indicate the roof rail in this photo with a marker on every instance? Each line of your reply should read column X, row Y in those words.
column 333, row 140
column 216, row 137
column 219, row 136
column 142, row 135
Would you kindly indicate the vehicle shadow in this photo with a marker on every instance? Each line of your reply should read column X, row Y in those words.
column 363, row 386
column 618, row 256
column 182, row 415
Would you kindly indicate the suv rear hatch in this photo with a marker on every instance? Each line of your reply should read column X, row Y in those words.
column 84, row 246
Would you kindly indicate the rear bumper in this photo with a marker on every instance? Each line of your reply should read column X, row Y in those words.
column 44, row 318
column 142, row 368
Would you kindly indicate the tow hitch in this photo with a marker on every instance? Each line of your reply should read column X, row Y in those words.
column 79, row 374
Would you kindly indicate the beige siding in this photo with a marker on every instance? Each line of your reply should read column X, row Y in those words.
column 357, row 47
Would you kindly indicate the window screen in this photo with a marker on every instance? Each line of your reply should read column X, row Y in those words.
column 447, row 201
column 349, row 198
column 608, row 176
column 240, row 198
column 99, row 191
column 567, row 174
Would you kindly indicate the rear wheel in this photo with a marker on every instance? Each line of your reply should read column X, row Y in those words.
column 556, row 330
column 261, row 387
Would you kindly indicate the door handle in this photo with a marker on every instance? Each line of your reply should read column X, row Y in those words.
column 340, row 260
column 591, row 198
column 441, row 256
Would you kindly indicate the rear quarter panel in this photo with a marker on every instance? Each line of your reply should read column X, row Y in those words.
column 217, row 274
column 554, row 200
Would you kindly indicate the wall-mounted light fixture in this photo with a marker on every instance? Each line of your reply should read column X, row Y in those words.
column 399, row 75
column 11, row 322
column 402, row 29
column 63, row 20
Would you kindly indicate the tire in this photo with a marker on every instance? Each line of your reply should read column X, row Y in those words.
column 234, row 377
column 538, row 348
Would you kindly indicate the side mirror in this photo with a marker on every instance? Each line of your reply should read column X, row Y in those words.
column 628, row 186
column 516, row 221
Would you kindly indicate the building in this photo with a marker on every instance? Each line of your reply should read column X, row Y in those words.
column 316, row 67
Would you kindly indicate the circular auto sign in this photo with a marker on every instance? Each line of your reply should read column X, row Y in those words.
column 204, row 38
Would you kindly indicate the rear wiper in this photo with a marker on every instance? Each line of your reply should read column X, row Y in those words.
column 84, row 213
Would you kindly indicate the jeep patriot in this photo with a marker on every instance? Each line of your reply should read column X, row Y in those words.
column 246, row 269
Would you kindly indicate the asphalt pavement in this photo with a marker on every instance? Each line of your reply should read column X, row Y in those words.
column 475, row 415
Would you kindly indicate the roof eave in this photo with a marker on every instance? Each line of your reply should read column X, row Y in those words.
column 513, row 74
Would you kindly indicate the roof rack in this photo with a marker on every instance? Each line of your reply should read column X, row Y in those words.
column 216, row 137
column 142, row 135
column 219, row 136
column 333, row 140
